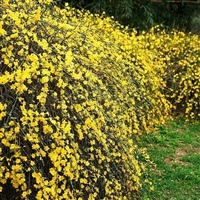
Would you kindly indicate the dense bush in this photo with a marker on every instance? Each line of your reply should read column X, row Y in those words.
column 75, row 88
column 180, row 55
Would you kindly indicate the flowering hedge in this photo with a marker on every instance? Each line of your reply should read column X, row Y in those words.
column 180, row 55
column 76, row 89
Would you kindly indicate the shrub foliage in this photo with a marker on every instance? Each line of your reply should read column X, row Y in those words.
column 75, row 87
column 75, row 90
column 180, row 55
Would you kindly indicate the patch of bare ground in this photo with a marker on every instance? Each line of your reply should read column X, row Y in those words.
column 197, row 150
column 180, row 130
column 179, row 153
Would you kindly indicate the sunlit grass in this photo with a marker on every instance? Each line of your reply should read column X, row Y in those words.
column 175, row 151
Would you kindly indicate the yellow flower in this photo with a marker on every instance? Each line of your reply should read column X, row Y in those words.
column 2, row 31
column 151, row 188
column 2, row 106
column 52, row 171
column 5, row 142
column 44, row 79
column 17, row 167
column 68, row 57
column 37, row 15
column 11, row 123
column 17, row 130
column 43, row 153
column 53, row 156
column 35, row 146
column 43, row 43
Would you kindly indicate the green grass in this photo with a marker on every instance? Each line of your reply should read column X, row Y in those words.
column 175, row 152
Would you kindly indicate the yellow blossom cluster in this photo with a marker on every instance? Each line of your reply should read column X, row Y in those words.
column 75, row 90
column 73, row 94
column 180, row 54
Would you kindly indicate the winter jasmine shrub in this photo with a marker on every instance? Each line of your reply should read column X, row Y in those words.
column 74, row 89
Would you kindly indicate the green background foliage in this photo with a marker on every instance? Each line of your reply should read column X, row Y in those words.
column 142, row 15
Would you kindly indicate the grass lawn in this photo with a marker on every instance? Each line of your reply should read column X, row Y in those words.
column 175, row 151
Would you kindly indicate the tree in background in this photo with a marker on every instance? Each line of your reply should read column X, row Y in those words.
column 142, row 15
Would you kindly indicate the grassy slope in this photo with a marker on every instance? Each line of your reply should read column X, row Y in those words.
column 175, row 150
